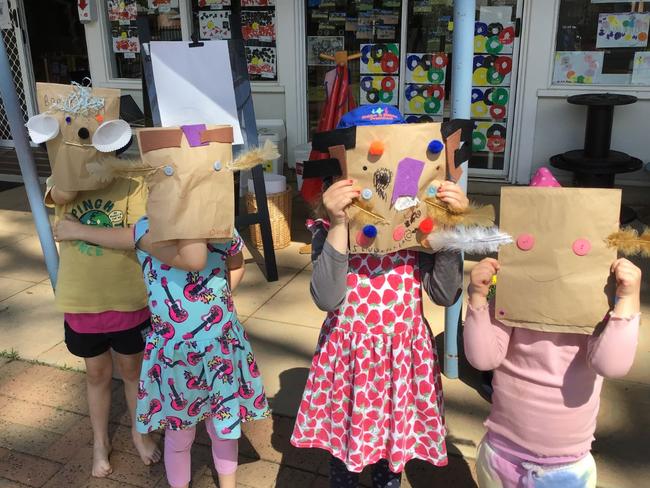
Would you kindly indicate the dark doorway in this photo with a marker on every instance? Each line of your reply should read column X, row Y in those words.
column 57, row 41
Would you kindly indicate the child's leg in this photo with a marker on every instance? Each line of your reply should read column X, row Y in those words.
column 99, row 374
column 224, row 454
column 383, row 477
column 178, row 466
column 340, row 477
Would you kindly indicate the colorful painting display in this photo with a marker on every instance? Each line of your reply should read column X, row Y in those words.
column 377, row 59
column 494, row 38
column 215, row 24
column 125, row 40
column 491, row 70
column 214, row 3
column 258, row 25
column 418, row 119
column 623, row 30
column 122, row 10
column 577, row 66
column 641, row 68
column 426, row 68
column 489, row 137
column 257, row 3
column 317, row 45
column 490, row 102
column 261, row 62
column 424, row 99
column 379, row 89
column 163, row 5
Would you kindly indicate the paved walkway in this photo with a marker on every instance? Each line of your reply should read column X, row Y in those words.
column 45, row 433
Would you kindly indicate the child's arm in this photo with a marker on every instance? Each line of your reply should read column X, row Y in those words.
column 486, row 340
column 442, row 276
column 611, row 354
column 330, row 256
column 186, row 254
column 236, row 269
column 70, row 229
column 60, row 197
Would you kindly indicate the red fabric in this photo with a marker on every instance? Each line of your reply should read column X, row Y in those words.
column 105, row 322
column 338, row 104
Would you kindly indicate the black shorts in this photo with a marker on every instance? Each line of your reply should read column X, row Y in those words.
column 130, row 341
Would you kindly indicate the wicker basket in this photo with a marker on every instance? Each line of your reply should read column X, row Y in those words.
column 280, row 215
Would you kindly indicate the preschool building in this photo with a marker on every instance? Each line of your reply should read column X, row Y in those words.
column 530, row 57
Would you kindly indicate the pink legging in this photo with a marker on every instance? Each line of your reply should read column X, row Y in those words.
column 178, row 444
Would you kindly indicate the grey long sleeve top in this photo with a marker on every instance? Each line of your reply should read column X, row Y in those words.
column 441, row 274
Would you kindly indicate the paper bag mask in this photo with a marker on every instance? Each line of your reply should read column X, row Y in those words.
column 556, row 277
column 399, row 168
column 190, row 177
column 78, row 124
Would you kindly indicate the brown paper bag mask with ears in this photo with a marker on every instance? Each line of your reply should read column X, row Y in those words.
column 399, row 168
column 78, row 124
column 190, row 179
column 556, row 276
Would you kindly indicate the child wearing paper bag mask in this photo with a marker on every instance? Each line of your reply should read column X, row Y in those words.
column 198, row 363
column 548, row 361
column 374, row 393
column 99, row 287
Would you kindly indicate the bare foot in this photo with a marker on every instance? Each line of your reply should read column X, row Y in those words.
column 101, row 465
column 146, row 447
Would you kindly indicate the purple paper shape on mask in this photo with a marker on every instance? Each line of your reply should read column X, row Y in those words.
column 193, row 134
column 407, row 178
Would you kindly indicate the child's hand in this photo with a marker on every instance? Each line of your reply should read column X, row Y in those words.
column 480, row 280
column 450, row 193
column 337, row 198
column 628, row 288
column 68, row 229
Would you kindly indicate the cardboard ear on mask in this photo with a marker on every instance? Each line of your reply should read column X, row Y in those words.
column 458, row 145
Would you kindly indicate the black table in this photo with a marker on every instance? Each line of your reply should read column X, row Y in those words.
column 596, row 165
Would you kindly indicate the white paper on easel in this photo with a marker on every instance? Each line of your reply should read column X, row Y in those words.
column 194, row 85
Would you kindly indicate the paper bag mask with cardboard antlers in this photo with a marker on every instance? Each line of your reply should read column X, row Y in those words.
column 78, row 124
column 556, row 277
column 399, row 168
column 190, row 179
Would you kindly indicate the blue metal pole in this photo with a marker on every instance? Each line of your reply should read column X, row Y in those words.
column 27, row 164
column 461, row 96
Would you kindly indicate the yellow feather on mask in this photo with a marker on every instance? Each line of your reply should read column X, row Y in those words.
column 629, row 243
column 473, row 215
column 253, row 157
column 109, row 167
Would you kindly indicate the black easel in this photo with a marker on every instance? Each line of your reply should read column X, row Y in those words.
column 246, row 115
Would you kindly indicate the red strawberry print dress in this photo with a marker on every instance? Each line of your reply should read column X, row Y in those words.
column 374, row 389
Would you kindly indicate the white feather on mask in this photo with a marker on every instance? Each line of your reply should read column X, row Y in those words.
column 473, row 240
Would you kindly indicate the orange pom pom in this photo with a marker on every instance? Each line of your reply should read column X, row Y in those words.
column 99, row 118
column 376, row 148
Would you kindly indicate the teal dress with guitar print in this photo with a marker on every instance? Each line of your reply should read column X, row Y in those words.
column 198, row 363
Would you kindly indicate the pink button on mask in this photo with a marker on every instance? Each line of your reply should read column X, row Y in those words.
column 581, row 247
column 525, row 242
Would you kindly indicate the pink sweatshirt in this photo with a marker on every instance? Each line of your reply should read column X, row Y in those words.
column 546, row 384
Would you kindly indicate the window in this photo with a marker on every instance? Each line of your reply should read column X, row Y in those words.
column 164, row 23
column 255, row 19
column 601, row 42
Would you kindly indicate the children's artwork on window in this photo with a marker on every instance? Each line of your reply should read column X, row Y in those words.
column 317, row 45
column 623, row 30
column 490, row 102
column 426, row 68
column 641, row 69
column 494, row 38
column 215, row 24
column 163, row 5
column 491, row 70
column 489, row 137
column 424, row 99
column 125, row 40
column 258, row 25
column 214, row 3
column 577, row 66
column 122, row 10
column 418, row 119
column 380, row 58
column 379, row 89
column 257, row 3
column 261, row 62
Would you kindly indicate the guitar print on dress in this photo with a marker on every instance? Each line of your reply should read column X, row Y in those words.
column 164, row 329
column 177, row 400
column 195, row 358
column 176, row 311
column 223, row 367
column 196, row 382
column 168, row 363
column 246, row 390
column 198, row 290
column 155, row 375
column 213, row 317
column 154, row 407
